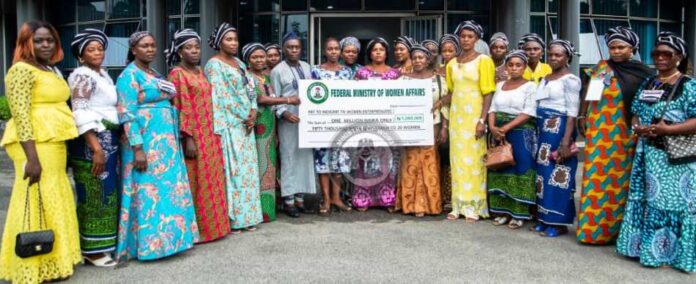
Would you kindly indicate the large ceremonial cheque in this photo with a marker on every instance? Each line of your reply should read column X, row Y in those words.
column 348, row 113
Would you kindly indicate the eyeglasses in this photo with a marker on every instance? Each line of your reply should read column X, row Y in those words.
column 662, row 53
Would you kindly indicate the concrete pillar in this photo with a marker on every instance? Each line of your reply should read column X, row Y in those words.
column 569, row 16
column 156, row 24
column 512, row 18
column 690, row 30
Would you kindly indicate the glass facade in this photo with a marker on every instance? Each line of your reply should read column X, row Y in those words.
column 646, row 17
column 267, row 20
column 182, row 13
column 118, row 19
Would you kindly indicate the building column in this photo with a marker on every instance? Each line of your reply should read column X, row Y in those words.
column 569, row 16
column 156, row 24
column 690, row 30
column 512, row 18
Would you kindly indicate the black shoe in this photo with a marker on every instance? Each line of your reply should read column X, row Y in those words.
column 292, row 212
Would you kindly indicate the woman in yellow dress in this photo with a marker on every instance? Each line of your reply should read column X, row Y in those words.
column 35, row 141
column 471, row 77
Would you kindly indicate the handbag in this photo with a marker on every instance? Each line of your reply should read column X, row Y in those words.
column 499, row 156
column 33, row 243
column 679, row 148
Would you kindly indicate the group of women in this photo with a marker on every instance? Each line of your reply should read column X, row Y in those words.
column 163, row 162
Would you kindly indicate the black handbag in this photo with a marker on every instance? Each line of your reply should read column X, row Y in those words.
column 32, row 243
column 679, row 148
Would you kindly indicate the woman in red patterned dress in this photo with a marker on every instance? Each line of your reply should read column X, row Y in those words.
column 202, row 149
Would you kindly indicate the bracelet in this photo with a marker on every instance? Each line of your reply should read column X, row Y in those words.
column 581, row 116
column 288, row 99
column 481, row 121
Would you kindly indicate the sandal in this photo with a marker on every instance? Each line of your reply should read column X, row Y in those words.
column 235, row 232
column 515, row 224
column 324, row 211
column 104, row 261
column 361, row 209
column 538, row 228
column 419, row 215
column 342, row 207
column 553, row 231
column 502, row 220
column 250, row 229
column 453, row 216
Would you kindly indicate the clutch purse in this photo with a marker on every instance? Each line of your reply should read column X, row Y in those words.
column 499, row 156
column 32, row 243
column 680, row 148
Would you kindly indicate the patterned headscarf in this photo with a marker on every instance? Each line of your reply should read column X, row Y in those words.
column 452, row 39
column 181, row 37
column 86, row 36
column 349, row 41
column 218, row 33
column 420, row 48
column 249, row 48
column 517, row 54
column 270, row 46
column 499, row 37
column 133, row 40
column 430, row 41
column 673, row 41
column 567, row 46
column 470, row 25
column 532, row 37
column 407, row 41
column 623, row 34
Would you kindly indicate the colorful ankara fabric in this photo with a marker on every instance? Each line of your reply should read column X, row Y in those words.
column 206, row 171
column 157, row 217
column 233, row 100
column 609, row 150
column 419, row 189
column 39, row 112
column 511, row 191
column 93, row 100
column 555, row 182
column 659, row 225
column 266, row 146
column 331, row 160
column 377, row 167
column 470, row 82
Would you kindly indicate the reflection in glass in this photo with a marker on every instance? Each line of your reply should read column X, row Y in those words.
column 647, row 32
column 118, row 43
column 591, row 47
column 538, row 5
column 644, row 8
column 193, row 23
column 262, row 29
column 124, row 9
column 90, row 10
column 300, row 25
column 259, row 5
column 610, row 7
column 192, row 7
column 173, row 7
column 671, row 10
column 66, row 36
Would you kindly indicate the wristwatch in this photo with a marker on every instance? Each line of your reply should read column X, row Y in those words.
column 481, row 121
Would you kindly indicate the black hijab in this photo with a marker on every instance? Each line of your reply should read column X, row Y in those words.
column 630, row 75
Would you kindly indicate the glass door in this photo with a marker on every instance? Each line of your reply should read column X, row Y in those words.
column 422, row 28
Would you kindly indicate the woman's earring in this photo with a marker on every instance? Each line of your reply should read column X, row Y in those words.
column 80, row 60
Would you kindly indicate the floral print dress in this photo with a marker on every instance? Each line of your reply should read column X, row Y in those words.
column 233, row 99
column 157, row 217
